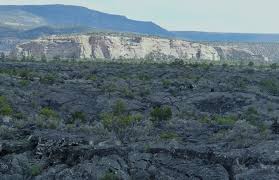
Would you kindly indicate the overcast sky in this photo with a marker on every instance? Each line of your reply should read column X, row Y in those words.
column 259, row 16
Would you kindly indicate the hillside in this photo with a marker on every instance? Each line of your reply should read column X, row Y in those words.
column 20, row 24
column 81, row 19
column 28, row 17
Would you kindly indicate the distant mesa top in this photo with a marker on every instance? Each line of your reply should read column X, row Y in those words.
column 21, row 25
column 36, row 20
column 28, row 17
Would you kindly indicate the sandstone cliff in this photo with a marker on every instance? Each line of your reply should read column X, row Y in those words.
column 96, row 46
column 236, row 53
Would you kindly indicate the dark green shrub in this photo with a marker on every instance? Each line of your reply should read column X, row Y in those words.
column 119, row 122
column 48, row 113
column 270, row 85
column 161, row 114
column 24, row 82
column 57, row 58
column 107, row 120
column 225, row 65
column 194, row 64
column 252, row 116
column 205, row 119
column 92, row 77
column 78, row 115
column 35, row 169
column 168, row 135
column 19, row 115
column 250, row 71
column 5, row 107
column 166, row 83
column 25, row 74
column 110, row 176
column 225, row 120
column 109, row 88
column 144, row 77
column 274, row 66
column 119, row 119
column 251, row 64
column 239, row 82
column 143, row 92
column 48, row 79
column 48, row 119
column 119, row 107
column 128, row 93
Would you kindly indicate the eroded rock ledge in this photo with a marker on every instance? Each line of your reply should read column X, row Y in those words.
column 95, row 46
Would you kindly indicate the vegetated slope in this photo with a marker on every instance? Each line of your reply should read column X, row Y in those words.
column 226, row 37
column 32, row 16
column 125, row 121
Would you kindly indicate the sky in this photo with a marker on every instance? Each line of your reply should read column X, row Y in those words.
column 246, row 16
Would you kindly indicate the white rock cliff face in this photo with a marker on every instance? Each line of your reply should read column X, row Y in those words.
column 115, row 47
column 127, row 47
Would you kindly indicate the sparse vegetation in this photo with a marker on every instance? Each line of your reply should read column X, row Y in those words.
column 166, row 83
column 48, row 118
column 48, row 112
column 225, row 120
column 251, row 64
column 161, row 114
column 119, row 107
column 271, row 86
column 35, row 169
column 24, row 82
column 168, row 135
column 144, row 77
column 115, row 122
column 110, row 176
column 172, row 110
column 48, row 79
column 5, row 107
column 274, row 66
column 109, row 88
column 128, row 93
column 119, row 119
column 205, row 119
column 78, row 116
column 92, row 77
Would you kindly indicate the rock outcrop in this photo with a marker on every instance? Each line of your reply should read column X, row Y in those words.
column 96, row 46
column 234, row 53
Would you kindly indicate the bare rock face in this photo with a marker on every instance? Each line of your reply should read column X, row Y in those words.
column 96, row 46
column 115, row 47
column 234, row 53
